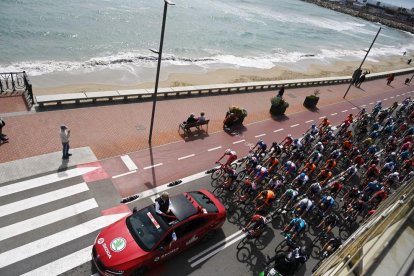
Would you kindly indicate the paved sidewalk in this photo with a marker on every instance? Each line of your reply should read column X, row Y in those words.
column 118, row 129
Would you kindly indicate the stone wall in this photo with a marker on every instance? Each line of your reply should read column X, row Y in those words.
column 362, row 13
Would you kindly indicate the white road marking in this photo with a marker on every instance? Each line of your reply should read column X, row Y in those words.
column 321, row 117
column 123, row 174
column 308, row 121
column 343, row 111
column 46, row 219
column 364, row 105
column 217, row 250
column 216, row 148
column 354, row 108
column 43, row 180
column 386, row 99
column 403, row 94
column 129, row 163
column 240, row 141
column 63, row 264
column 391, row 97
column 277, row 130
column 213, row 246
column 260, row 135
column 333, row 114
column 295, row 125
column 397, row 95
column 371, row 103
column 31, row 202
column 185, row 157
column 31, row 249
column 153, row 166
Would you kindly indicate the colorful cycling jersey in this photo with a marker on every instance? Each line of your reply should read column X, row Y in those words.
column 351, row 171
column 306, row 203
column 270, row 195
column 405, row 154
column 406, row 146
column 389, row 166
column 374, row 186
column 275, row 183
column 382, row 195
column 375, row 126
column 299, row 223
column 291, row 194
column 328, row 201
column 316, row 188
column 374, row 135
column 297, row 144
column 368, row 141
column 262, row 145
column 290, row 166
column 332, row 220
column 336, row 185
column 372, row 149
column 302, row 177
column 263, row 172
column 310, row 167
column 394, row 176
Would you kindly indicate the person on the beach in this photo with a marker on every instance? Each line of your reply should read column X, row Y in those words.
column 390, row 78
column 355, row 76
column 64, row 137
column 361, row 78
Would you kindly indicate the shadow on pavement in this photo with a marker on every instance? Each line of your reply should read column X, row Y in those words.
column 195, row 135
column 280, row 118
column 236, row 130
column 313, row 109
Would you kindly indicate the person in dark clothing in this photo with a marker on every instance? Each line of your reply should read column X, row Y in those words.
column 361, row 78
column 3, row 137
column 409, row 61
column 162, row 206
column 191, row 119
column 281, row 92
column 390, row 78
column 355, row 76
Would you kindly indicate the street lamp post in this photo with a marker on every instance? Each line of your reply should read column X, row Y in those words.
column 349, row 87
column 154, row 95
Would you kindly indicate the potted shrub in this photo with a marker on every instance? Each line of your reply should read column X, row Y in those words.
column 234, row 116
column 312, row 100
column 279, row 106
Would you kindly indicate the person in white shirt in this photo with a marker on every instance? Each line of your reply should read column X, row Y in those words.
column 64, row 137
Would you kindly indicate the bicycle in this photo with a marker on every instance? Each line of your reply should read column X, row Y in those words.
column 222, row 169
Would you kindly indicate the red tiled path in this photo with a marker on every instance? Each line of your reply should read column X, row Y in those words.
column 123, row 128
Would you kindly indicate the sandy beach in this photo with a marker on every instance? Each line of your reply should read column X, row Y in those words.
column 302, row 69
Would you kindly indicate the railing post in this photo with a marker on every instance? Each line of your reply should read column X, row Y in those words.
column 13, row 85
column 28, row 87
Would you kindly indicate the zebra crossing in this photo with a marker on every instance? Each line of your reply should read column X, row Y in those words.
column 49, row 223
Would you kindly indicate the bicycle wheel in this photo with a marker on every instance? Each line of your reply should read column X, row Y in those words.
column 234, row 165
column 241, row 175
column 217, row 173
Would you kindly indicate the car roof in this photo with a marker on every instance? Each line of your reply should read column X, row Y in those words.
column 182, row 208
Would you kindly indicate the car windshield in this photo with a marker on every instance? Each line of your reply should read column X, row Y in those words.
column 204, row 201
column 146, row 227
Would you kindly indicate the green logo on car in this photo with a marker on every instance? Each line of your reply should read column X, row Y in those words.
column 118, row 244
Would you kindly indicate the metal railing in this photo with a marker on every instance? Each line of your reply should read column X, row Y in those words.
column 349, row 258
column 15, row 83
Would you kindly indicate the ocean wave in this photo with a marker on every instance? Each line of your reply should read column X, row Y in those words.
column 260, row 61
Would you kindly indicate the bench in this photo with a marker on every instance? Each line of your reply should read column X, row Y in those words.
column 187, row 127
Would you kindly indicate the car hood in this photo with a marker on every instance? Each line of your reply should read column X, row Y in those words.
column 116, row 246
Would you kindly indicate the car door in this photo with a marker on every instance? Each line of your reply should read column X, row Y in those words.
column 191, row 231
column 166, row 248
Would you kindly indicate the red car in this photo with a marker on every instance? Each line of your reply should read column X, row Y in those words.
column 144, row 238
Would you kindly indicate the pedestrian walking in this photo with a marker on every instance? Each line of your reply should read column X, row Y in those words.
column 362, row 78
column 64, row 137
column 409, row 61
column 3, row 137
column 355, row 76
column 390, row 78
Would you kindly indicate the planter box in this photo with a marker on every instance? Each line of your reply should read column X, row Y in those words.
column 311, row 102
column 277, row 110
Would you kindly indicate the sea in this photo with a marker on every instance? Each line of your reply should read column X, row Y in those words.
column 85, row 40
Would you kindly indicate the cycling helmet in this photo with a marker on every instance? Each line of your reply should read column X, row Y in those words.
column 304, row 250
column 296, row 140
column 289, row 135
column 227, row 151
column 393, row 153
column 313, row 125
column 302, row 175
column 288, row 163
column 329, row 198
column 341, row 179
column 258, row 167
column 319, row 143
column 364, row 109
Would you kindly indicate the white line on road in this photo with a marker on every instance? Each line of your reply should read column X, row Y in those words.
column 403, row 94
column 385, row 99
column 364, row 105
column 343, row 111
column 43, row 180
column 277, row 130
column 31, row 249
column 213, row 246
column 31, row 202
column 295, row 125
column 354, row 108
column 397, row 95
column 216, row 148
column 123, row 174
column 321, row 117
column 260, row 135
column 391, row 97
column 333, row 114
column 63, row 264
column 217, row 250
column 240, row 141
column 46, row 219
column 308, row 121
column 153, row 166
column 371, row 103
column 185, row 157
column 129, row 163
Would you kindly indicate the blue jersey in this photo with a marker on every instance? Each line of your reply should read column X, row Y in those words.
column 299, row 223
column 329, row 202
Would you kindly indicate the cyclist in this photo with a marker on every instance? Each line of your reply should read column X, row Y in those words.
column 377, row 108
column 314, row 189
column 315, row 157
column 406, row 146
column 351, row 196
column 328, row 223
column 260, row 147
column 300, row 180
column 319, row 147
column 303, row 207
column 388, row 167
column 289, row 196
column 257, row 224
column 232, row 156
column 309, row 168
column 313, row 130
column 331, row 246
column 335, row 154
column 289, row 167
column 264, row 200
column 372, row 172
column 335, row 187
column 361, row 112
column 275, row 183
column 295, row 227
column 296, row 144
column 330, row 164
column 379, row 196
column 272, row 163
column 324, row 124
column 359, row 160
column 231, row 177
column 324, row 176
column 288, row 263
column 371, row 188
column 246, row 190
column 350, row 172
column 326, row 203
column 287, row 141
column 359, row 207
